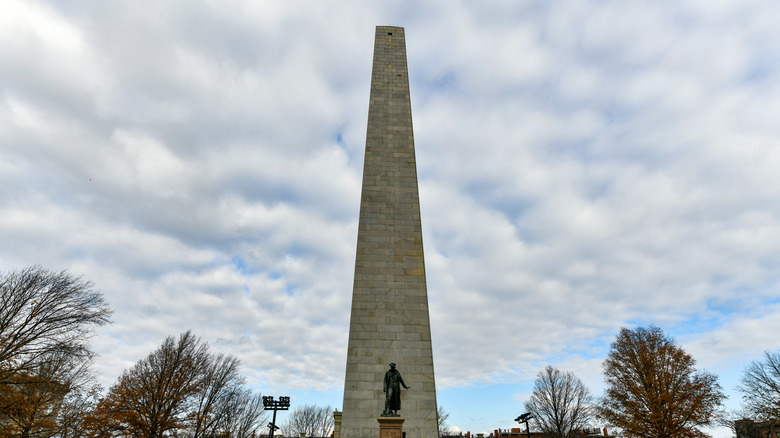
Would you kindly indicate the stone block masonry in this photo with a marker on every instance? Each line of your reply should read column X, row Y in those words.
column 389, row 320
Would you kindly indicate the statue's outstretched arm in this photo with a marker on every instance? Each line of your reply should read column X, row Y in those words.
column 401, row 381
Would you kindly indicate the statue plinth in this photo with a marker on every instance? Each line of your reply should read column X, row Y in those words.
column 391, row 427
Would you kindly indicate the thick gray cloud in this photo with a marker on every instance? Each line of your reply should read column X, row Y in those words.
column 583, row 166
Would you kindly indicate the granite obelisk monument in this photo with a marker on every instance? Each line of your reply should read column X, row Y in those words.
column 389, row 320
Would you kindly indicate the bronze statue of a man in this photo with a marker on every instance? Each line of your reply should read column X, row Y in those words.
column 393, row 383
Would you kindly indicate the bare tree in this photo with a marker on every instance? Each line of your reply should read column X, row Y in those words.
column 42, row 313
column 560, row 403
column 312, row 420
column 77, row 405
column 653, row 389
column 247, row 419
column 221, row 390
column 760, row 387
column 442, row 417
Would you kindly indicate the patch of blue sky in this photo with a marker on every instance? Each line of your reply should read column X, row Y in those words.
column 595, row 189
column 290, row 289
column 597, row 348
column 499, row 403
column 761, row 73
column 425, row 86
column 442, row 253
column 272, row 192
column 80, row 253
column 444, row 82
column 743, row 299
column 511, row 206
column 698, row 323
column 632, row 323
column 240, row 266
column 296, row 251
column 286, row 194
column 620, row 112
column 354, row 152
column 693, row 323
column 609, row 115
column 493, row 193
column 528, row 234
column 724, row 306
column 332, row 397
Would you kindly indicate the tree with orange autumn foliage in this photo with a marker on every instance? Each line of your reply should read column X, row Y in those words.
column 34, row 403
column 46, row 321
column 653, row 389
column 151, row 399
column 180, row 389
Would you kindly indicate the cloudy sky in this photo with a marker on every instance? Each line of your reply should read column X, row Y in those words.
column 583, row 166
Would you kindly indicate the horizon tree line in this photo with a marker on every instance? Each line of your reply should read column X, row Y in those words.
column 653, row 390
column 182, row 389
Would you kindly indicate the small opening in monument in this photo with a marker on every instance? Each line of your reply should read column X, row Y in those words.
column 389, row 33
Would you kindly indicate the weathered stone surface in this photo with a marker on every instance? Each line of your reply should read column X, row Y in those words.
column 336, row 424
column 389, row 320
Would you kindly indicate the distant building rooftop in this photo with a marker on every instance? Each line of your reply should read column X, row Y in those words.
column 516, row 432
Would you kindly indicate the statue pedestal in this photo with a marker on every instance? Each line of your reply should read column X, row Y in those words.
column 390, row 427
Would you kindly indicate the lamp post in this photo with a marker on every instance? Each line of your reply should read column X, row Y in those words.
column 275, row 405
column 524, row 418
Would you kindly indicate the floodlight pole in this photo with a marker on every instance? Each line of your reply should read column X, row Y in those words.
column 524, row 418
column 282, row 404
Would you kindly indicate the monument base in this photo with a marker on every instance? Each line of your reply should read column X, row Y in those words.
column 391, row 427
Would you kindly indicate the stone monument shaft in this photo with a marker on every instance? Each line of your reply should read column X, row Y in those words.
column 389, row 320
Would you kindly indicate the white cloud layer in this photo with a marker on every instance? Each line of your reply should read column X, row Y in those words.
column 583, row 166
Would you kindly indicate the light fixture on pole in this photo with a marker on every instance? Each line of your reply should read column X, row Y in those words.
column 524, row 418
column 282, row 404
